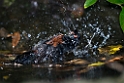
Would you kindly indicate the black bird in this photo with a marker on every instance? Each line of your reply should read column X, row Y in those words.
column 51, row 50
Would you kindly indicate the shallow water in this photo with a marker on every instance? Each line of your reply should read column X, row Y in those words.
column 37, row 20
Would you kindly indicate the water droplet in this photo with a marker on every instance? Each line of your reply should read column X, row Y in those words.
column 29, row 35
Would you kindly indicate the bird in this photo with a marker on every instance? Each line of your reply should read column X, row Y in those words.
column 51, row 50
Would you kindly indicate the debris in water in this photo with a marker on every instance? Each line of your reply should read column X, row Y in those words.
column 110, row 49
column 3, row 32
column 15, row 38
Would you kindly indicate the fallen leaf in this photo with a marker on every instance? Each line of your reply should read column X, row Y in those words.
column 114, row 49
column 6, row 77
column 96, row 64
column 115, row 59
column 3, row 32
column 4, row 52
column 77, row 11
column 109, row 49
column 15, row 38
column 77, row 62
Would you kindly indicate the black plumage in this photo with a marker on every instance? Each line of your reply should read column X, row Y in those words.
column 51, row 50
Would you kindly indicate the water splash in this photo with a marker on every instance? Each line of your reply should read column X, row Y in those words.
column 92, row 38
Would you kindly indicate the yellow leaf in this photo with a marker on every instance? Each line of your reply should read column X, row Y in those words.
column 109, row 49
column 114, row 49
column 6, row 77
column 96, row 64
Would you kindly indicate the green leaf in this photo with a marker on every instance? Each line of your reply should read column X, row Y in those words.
column 7, row 3
column 89, row 3
column 116, row 1
column 122, row 19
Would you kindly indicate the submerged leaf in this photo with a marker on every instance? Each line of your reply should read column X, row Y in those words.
column 4, row 52
column 96, row 64
column 122, row 19
column 6, row 77
column 116, row 59
column 110, row 49
column 89, row 3
column 77, row 62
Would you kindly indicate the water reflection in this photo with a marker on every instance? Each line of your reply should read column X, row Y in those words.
column 28, row 73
